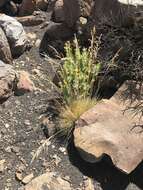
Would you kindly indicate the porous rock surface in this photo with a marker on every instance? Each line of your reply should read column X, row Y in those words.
column 15, row 34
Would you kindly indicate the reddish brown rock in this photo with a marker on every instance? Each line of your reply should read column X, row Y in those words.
column 24, row 83
column 112, row 128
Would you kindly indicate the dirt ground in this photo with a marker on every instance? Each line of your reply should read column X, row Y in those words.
column 21, row 134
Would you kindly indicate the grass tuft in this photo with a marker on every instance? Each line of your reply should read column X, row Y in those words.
column 77, row 77
column 69, row 114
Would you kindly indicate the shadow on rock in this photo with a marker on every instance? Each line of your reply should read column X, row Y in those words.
column 105, row 173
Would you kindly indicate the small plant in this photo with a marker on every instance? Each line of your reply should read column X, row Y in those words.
column 69, row 114
column 79, row 71
column 77, row 77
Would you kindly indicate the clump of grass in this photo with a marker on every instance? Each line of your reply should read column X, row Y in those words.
column 77, row 77
column 69, row 114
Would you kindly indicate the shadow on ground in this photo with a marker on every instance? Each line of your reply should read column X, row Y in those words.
column 105, row 173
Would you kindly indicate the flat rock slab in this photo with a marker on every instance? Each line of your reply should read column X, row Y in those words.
column 48, row 181
column 112, row 128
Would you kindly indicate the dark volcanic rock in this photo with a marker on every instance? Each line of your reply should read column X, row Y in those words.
column 54, row 37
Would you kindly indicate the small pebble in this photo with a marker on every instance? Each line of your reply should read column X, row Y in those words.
column 62, row 149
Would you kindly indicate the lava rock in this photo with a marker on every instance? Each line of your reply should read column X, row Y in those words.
column 5, row 53
column 15, row 34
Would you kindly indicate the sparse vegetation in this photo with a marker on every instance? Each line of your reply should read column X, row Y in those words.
column 78, row 76
column 79, row 71
column 71, row 113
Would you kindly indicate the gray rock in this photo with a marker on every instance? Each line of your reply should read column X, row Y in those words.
column 7, row 80
column 108, row 129
column 15, row 34
column 5, row 53
column 132, row 186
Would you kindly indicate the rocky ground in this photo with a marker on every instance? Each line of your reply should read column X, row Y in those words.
column 22, row 132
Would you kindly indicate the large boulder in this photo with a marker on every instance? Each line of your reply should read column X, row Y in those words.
column 7, row 80
column 5, row 53
column 113, row 127
column 15, row 34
